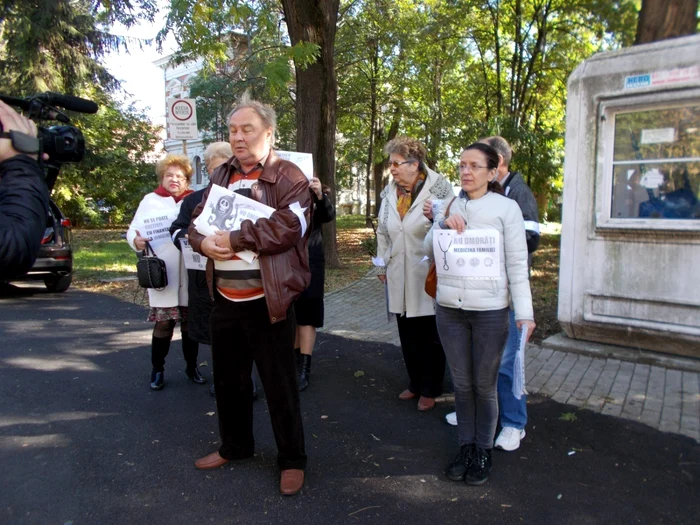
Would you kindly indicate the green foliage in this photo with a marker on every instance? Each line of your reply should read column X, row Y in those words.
column 249, row 50
column 449, row 73
column 58, row 45
column 569, row 417
column 117, row 171
column 53, row 45
column 369, row 245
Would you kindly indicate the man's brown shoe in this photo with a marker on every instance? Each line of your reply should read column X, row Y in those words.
column 291, row 481
column 213, row 460
column 426, row 403
column 406, row 395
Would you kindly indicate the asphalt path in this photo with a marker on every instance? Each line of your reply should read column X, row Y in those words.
column 84, row 441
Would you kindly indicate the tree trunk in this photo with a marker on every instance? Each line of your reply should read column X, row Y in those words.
column 381, row 166
column 315, row 22
column 663, row 19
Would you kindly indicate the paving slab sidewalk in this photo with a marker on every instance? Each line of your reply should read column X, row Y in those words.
column 663, row 397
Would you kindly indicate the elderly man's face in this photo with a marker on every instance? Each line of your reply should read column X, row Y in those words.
column 249, row 137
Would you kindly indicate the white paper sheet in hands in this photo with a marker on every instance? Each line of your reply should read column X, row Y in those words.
column 225, row 210
column 472, row 254
column 304, row 161
column 519, row 366
column 156, row 226
column 193, row 260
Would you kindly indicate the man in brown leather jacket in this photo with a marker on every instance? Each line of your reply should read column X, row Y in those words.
column 253, row 318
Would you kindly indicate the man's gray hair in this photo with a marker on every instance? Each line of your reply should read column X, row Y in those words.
column 265, row 112
column 501, row 146
column 217, row 150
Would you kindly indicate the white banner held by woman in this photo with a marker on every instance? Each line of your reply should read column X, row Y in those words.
column 472, row 254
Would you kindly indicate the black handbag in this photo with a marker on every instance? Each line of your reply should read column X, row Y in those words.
column 151, row 270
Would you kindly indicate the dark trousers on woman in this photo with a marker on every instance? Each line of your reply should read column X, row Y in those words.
column 241, row 333
column 423, row 354
column 473, row 342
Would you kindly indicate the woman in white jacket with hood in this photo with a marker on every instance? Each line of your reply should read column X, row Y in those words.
column 169, row 305
column 400, row 234
column 472, row 312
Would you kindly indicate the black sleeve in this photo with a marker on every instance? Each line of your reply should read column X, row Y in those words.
column 528, row 205
column 24, row 205
column 323, row 209
column 179, row 227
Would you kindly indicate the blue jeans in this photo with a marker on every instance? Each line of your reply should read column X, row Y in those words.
column 473, row 343
column 513, row 411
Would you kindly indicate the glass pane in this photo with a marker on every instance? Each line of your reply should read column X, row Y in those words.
column 656, row 190
column 658, row 134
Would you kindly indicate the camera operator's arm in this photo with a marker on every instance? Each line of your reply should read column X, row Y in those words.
column 24, row 199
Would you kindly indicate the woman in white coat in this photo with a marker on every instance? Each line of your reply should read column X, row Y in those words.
column 403, row 268
column 169, row 305
column 472, row 304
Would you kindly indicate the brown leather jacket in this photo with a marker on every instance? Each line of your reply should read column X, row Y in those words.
column 284, row 258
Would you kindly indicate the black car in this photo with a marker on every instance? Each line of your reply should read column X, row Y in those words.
column 54, row 263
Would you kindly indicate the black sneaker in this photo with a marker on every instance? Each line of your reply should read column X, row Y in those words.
column 459, row 466
column 480, row 467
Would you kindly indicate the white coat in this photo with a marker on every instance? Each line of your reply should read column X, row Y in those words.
column 492, row 211
column 175, row 294
column 400, row 245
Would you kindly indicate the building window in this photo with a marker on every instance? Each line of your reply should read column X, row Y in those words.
column 656, row 164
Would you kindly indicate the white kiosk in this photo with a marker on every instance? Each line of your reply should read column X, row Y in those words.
column 630, row 244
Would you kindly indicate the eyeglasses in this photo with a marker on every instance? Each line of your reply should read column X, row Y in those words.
column 174, row 176
column 471, row 167
column 395, row 164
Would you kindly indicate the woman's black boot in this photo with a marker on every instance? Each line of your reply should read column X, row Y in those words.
column 304, row 372
column 190, row 350
column 159, row 349
column 297, row 357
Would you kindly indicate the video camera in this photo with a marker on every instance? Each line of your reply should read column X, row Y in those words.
column 62, row 143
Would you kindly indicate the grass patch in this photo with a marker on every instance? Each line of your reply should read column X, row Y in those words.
column 101, row 254
column 569, row 417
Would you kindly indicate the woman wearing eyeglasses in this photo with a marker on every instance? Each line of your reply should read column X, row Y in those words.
column 402, row 265
column 472, row 302
column 169, row 305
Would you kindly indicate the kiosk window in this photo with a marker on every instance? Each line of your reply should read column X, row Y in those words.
column 656, row 164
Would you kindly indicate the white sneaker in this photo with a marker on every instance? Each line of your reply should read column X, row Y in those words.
column 509, row 439
column 451, row 418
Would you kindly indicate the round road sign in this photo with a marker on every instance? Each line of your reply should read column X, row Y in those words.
column 182, row 110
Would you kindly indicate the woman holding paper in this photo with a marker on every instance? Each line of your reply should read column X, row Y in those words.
column 402, row 265
column 479, row 274
column 308, row 308
column 151, row 224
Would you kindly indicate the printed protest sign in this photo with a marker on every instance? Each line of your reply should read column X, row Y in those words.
column 225, row 210
column 473, row 254
column 193, row 260
column 156, row 226
column 305, row 161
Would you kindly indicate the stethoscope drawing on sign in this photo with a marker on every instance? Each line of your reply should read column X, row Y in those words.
column 444, row 251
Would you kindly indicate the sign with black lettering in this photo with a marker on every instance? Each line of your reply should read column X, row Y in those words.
column 473, row 254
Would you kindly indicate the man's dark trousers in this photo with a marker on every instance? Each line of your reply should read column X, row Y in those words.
column 241, row 333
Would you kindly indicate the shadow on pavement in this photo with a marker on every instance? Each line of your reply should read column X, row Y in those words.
column 84, row 440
